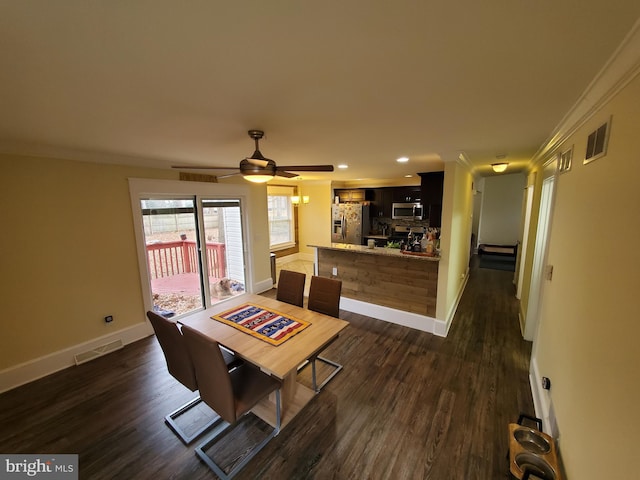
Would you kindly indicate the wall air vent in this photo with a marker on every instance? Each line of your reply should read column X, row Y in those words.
column 597, row 142
column 98, row 351
column 565, row 160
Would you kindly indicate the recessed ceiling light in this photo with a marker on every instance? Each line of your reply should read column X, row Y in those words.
column 342, row 165
column 408, row 176
column 402, row 160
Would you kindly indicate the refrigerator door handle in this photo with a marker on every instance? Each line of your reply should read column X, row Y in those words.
column 343, row 220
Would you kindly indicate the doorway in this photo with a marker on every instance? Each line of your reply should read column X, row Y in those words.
column 540, row 250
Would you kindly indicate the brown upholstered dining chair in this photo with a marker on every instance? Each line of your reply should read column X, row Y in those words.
column 230, row 393
column 324, row 297
column 181, row 368
column 291, row 287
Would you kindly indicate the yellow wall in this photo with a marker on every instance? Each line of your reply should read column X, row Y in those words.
column 315, row 217
column 69, row 253
column 587, row 342
column 455, row 239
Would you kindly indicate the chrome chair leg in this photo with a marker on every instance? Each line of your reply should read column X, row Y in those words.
column 220, row 431
column 337, row 368
column 186, row 438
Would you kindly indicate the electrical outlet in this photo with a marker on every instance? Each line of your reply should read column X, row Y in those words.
column 108, row 319
column 334, row 271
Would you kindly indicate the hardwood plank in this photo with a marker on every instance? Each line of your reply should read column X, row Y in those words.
column 407, row 405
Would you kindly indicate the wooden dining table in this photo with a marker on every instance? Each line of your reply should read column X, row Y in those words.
column 281, row 361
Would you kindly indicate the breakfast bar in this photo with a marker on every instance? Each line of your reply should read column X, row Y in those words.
column 381, row 276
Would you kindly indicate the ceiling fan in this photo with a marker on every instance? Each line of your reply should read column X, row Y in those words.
column 259, row 169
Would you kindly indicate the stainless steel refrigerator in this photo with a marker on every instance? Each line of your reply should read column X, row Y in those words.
column 350, row 223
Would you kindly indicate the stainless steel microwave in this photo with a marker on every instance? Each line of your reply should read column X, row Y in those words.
column 406, row 211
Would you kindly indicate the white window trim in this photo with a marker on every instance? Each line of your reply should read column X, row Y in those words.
column 288, row 191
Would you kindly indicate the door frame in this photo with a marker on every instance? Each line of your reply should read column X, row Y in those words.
column 543, row 233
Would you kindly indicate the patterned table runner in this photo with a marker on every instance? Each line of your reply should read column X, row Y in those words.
column 268, row 325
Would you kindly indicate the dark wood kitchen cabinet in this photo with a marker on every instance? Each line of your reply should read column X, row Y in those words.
column 381, row 203
column 431, row 185
column 354, row 195
column 408, row 194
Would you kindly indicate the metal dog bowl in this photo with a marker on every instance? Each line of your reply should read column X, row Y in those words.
column 532, row 441
column 535, row 465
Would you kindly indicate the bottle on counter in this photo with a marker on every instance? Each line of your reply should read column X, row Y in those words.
column 429, row 247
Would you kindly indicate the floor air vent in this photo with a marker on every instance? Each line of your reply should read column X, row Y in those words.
column 98, row 351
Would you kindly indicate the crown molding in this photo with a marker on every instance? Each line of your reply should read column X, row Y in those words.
column 622, row 67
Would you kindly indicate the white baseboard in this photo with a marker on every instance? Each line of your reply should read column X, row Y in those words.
column 541, row 398
column 399, row 317
column 307, row 257
column 23, row 373
column 263, row 285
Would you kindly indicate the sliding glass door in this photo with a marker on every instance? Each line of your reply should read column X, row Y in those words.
column 194, row 252
column 224, row 250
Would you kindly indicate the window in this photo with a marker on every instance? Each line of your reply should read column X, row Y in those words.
column 281, row 217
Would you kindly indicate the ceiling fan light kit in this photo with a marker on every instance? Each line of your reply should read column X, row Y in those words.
column 259, row 169
column 499, row 167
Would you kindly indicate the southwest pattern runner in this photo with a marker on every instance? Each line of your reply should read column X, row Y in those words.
column 268, row 325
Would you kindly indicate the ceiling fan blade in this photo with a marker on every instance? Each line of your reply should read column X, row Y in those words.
column 282, row 173
column 201, row 167
column 307, row 168
column 228, row 175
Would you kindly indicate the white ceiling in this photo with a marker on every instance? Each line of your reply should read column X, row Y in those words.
column 358, row 82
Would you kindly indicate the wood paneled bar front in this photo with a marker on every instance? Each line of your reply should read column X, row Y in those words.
column 382, row 276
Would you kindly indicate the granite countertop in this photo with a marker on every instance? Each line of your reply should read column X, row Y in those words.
column 379, row 237
column 389, row 252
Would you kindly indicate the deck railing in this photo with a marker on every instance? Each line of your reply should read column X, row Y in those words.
column 173, row 258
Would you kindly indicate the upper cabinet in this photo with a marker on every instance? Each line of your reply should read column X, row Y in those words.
column 381, row 203
column 431, row 185
column 410, row 194
column 354, row 195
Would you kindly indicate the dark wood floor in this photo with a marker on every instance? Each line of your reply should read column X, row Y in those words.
column 408, row 405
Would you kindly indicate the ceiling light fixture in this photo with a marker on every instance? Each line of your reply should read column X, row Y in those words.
column 499, row 167
column 343, row 166
column 295, row 199
column 258, row 178
column 402, row 159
